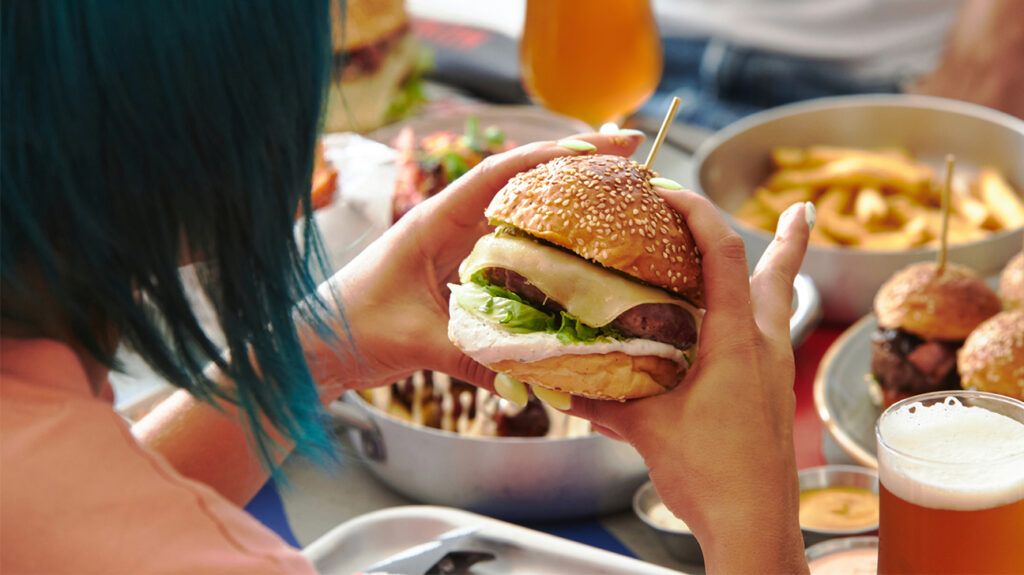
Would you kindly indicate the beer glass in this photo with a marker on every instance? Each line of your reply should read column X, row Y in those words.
column 595, row 60
column 951, row 466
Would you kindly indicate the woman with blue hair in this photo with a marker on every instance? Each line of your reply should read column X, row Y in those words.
column 141, row 136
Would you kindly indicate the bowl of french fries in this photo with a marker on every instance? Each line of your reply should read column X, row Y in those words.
column 873, row 166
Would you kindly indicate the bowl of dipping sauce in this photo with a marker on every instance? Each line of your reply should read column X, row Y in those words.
column 673, row 532
column 845, row 556
column 837, row 501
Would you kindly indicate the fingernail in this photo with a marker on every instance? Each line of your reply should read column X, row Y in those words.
column 608, row 128
column 556, row 399
column 630, row 132
column 810, row 214
column 576, row 145
column 666, row 184
column 511, row 389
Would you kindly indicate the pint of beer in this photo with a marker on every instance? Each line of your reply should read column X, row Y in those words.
column 951, row 466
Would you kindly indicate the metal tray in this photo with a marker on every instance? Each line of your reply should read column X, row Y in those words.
column 375, row 536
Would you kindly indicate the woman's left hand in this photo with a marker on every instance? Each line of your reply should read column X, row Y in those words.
column 394, row 295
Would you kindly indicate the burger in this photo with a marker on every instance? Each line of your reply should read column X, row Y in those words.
column 992, row 358
column 375, row 76
column 924, row 316
column 590, row 284
column 1011, row 283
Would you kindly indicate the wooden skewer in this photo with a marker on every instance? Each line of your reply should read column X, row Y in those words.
column 944, row 235
column 672, row 109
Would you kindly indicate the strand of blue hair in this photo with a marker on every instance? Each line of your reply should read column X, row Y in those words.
column 140, row 135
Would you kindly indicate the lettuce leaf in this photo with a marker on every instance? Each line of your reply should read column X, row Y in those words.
column 510, row 312
column 504, row 307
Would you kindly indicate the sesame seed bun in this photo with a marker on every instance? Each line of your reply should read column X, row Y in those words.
column 610, row 376
column 365, row 22
column 932, row 306
column 604, row 209
column 992, row 358
column 1011, row 283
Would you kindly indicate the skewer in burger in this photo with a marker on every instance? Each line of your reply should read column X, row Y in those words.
column 923, row 319
column 590, row 285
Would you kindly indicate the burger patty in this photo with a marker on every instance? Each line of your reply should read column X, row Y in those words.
column 908, row 364
column 367, row 59
column 661, row 322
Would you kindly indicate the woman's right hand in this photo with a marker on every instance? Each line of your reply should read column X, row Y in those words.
column 720, row 445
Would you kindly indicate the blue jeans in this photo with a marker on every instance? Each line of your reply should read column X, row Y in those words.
column 719, row 83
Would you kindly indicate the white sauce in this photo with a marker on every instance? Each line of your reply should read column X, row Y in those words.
column 488, row 343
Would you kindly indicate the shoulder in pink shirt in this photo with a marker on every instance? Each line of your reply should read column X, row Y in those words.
column 78, row 494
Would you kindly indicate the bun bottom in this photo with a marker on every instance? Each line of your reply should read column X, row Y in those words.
column 361, row 104
column 615, row 376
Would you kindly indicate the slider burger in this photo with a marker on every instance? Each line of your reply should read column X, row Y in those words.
column 590, row 285
column 923, row 319
column 992, row 358
column 1011, row 283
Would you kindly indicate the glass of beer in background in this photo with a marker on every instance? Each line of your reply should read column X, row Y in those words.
column 595, row 60
column 951, row 466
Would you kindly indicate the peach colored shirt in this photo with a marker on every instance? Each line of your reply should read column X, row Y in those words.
column 78, row 493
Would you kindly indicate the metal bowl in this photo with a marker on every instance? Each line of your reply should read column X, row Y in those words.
column 515, row 478
column 837, row 476
column 730, row 164
column 826, row 548
column 680, row 544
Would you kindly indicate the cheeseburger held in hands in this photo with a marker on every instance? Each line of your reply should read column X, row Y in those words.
column 591, row 284
column 923, row 319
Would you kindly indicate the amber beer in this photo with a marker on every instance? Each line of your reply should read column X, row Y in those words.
column 951, row 466
column 596, row 60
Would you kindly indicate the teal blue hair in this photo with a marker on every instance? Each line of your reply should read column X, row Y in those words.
column 141, row 134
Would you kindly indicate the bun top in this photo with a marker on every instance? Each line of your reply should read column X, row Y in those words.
column 604, row 209
column 1011, row 283
column 992, row 358
column 366, row 22
column 932, row 306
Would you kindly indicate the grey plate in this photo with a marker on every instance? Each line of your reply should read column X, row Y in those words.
column 841, row 393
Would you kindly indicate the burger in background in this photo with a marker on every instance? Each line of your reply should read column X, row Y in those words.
column 992, row 358
column 591, row 284
column 923, row 319
column 377, row 66
column 1011, row 283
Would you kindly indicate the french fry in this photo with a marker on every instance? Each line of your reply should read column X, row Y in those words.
column 1002, row 201
column 756, row 214
column 820, row 238
column 845, row 229
column 818, row 155
column 870, row 208
column 835, row 199
column 881, row 198
column 855, row 171
column 914, row 234
column 787, row 157
column 778, row 201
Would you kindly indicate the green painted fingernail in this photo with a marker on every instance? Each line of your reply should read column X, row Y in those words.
column 577, row 145
column 810, row 214
column 666, row 184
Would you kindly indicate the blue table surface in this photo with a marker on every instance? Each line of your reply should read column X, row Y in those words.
column 269, row 510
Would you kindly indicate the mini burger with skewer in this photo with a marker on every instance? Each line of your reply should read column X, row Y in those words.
column 590, row 284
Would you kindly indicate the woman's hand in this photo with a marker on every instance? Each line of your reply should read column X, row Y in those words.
column 394, row 294
column 720, row 446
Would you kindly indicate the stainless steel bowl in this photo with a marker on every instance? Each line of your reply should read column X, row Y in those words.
column 826, row 548
column 837, row 476
column 680, row 544
column 730, row 164
column 522, row 479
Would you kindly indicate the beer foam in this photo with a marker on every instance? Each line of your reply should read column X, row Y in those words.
column 960, row 457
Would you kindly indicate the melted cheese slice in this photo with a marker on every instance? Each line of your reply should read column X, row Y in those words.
column 591, row 293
